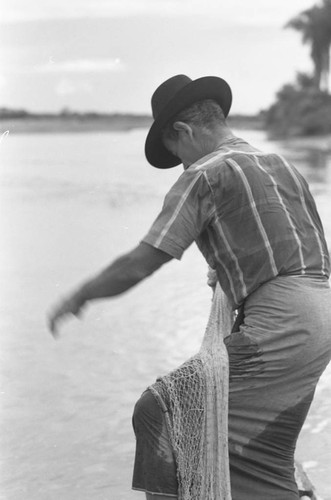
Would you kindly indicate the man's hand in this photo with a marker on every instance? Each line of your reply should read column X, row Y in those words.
column 118, row 277
column 72, row 305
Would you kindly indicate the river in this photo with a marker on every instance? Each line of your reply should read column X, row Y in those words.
column 70, row 203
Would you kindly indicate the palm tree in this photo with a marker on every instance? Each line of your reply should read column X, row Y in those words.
column 315, row 26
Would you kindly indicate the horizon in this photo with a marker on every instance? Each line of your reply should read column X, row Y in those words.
column 69, row 112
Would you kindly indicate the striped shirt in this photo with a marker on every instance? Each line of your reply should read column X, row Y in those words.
column 250, row 213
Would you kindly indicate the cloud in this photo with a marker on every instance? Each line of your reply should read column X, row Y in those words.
column 68, row 87
column 82, row 66
column 65, row 87
column 74, row 66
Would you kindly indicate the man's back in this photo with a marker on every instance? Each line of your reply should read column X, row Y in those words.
column 265, row 222
column 251, row 214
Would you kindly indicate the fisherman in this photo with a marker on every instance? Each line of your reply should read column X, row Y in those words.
column 255, row 221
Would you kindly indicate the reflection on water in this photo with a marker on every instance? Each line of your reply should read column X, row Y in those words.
column 312, row 163
column 69, row 204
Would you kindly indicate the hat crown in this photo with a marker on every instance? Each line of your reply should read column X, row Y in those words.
column 166, row 91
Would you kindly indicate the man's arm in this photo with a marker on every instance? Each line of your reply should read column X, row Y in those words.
column 121, row 275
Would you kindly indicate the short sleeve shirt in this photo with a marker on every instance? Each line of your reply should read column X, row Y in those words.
column 250, row 213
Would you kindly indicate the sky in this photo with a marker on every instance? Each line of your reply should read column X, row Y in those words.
column 110, row 55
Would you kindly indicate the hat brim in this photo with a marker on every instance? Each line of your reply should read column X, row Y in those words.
column 207, row 87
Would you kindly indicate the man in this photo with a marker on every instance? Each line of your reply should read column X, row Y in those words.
column 255, row 222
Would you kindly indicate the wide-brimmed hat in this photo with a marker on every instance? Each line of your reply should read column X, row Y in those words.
column 171, row 97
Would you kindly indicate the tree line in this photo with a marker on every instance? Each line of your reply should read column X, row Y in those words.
column 304, row 106
column 315, row 26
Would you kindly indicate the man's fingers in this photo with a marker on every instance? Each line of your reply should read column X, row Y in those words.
column 78, row 313
column 68, row 307
column 53, row 319
column 54, row 331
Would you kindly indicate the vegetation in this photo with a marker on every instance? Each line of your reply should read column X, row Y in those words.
column 315, row 26
column 304, row 107
column 69, row 121
column 20, row 120
column 300, row 109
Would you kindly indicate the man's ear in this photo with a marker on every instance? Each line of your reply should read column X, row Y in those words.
column 183, row 128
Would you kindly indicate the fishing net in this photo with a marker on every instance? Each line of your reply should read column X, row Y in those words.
column 194, row 398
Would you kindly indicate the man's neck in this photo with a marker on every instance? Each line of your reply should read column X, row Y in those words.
column 212, row 140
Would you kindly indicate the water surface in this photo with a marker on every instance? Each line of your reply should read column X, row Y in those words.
column 69, row 204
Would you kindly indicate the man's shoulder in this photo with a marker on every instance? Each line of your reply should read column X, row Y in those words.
column 221, row 158
column 235, row 148
column 224, row 165
column 216, row 158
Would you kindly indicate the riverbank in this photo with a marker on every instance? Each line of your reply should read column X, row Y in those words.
column 24, row 122
column 92, row 122
column 72, row 123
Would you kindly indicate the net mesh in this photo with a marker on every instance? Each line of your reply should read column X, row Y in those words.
column 194, row 398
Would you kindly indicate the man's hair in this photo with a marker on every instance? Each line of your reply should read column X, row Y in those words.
column 206, row 113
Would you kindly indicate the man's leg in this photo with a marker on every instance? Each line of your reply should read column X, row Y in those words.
column 276, row 359
column 154, row 467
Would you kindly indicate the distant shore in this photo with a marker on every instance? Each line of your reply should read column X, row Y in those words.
column 70, row 122
column 24, row 122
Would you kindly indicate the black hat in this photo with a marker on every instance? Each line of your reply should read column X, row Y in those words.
column 170, row 98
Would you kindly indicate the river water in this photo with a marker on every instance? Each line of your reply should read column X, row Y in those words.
column 69, row 204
